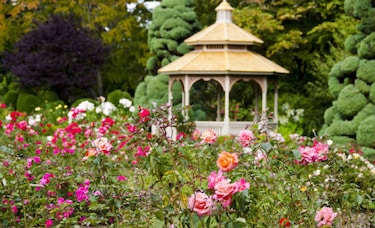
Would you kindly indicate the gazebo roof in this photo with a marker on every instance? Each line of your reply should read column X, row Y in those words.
column 222, row 49
column 223, row 31
column 223, row 62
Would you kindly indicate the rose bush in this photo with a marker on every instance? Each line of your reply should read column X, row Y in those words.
column 99, row 165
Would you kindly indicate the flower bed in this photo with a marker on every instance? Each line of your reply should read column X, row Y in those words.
column 99, row 165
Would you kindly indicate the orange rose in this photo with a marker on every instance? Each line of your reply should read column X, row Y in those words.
column 227, row 161
column 90, row 152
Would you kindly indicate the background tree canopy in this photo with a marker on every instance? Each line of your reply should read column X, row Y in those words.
column 58, row 55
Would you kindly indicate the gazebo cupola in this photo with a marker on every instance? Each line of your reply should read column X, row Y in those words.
column 222, row 53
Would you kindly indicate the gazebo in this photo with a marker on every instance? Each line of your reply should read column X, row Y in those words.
column 222, row 53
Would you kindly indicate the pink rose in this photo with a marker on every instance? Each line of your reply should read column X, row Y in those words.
column 224, row 190
column 103, row 145
column 144, row 115
column 325, row 216
column 214, row 178
column 242, row 185
column 246, row 137
column 209, row 137
column 201, row 203
column 196, row 134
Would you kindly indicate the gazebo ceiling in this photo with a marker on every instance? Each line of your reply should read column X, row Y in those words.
column 223, row 62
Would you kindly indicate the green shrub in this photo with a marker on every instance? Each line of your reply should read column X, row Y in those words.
column 331, row 114
column 350, row 101
column 116, row 95
column 368, row 153
column 48, row 96
column 372, row 93
column 357, row 8
column 351, row 43
column 27, row 102
column 336, row 71
column 367, row 111
column 367, row 24
column 362, row 86
column 366, row 48
column 10, row 98
column 343, row 140
column 140, row 96
column 366, row 70
column 334, row 86
column 341, row 127
column 366, row 132
column 350, row 64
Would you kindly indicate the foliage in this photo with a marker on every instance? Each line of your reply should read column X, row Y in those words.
column 59, row 55
column 27, row 102
column 120, row 25
column 351, row 82
column 172, row 22
column 89, row 167
column 305, row 37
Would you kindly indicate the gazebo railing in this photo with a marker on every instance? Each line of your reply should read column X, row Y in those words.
column 217, row 126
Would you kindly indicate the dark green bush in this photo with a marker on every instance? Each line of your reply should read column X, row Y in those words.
column 48, row 96
column 27, row 102
column 10, row 98
column 366, row 132
column 116, row 95
column 350, row 101
column 366, row 71
column 366, row 48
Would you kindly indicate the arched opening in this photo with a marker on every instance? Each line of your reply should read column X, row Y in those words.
column 207, row 101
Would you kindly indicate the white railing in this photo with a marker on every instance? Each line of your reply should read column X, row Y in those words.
column 217, row 126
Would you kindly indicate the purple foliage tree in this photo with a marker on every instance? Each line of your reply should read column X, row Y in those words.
column 58, row 55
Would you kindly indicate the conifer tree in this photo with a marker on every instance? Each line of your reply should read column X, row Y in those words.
column 351, row 118
column 172, row 22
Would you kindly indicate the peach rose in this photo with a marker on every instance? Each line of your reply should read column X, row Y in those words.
column 209, row 137
column 224, row 190
column 103, row 145
column 201, row 203
column 227, row 161
column 90, row 152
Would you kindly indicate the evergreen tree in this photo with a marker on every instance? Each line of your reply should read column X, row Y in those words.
column 58, row 55
column 351, row 118
column 173, row 21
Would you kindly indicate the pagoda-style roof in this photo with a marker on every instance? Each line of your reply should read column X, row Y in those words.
column 223, row 62
column 223, row 48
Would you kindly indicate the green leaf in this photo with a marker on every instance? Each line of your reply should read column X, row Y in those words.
column 296, row 154
column 266, row 146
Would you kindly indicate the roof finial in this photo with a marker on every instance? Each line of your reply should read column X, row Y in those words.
column 224, row 13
